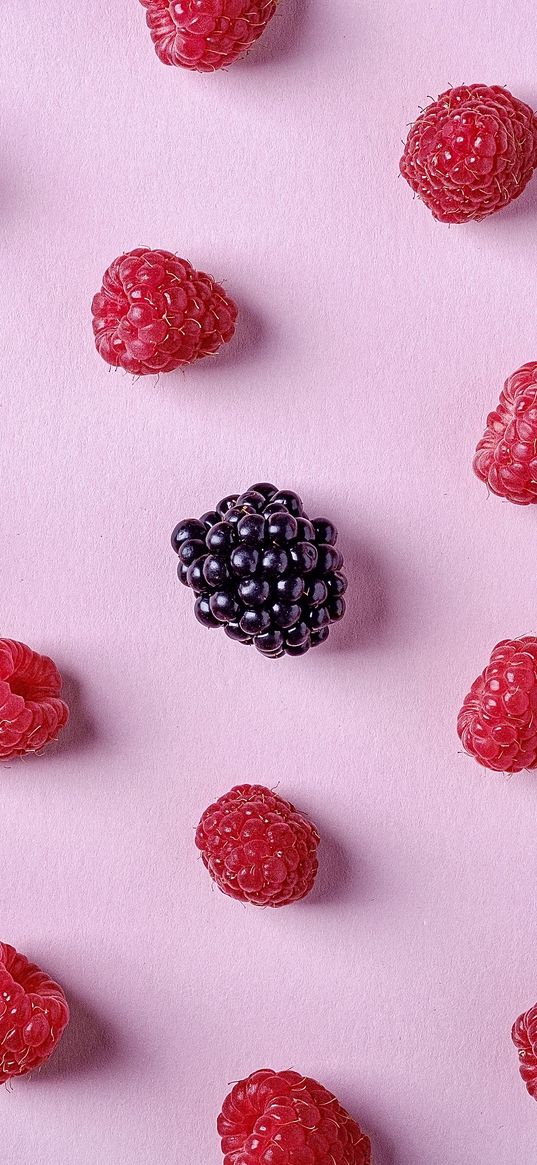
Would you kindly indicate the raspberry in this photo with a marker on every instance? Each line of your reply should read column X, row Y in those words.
column 261, row 569
column 524, row 1036
column 497, row 722
column 471, row 152
column 31, row 711
column 506, row 456
column 155, row 313
column 258, row 848
column 33, row 1014
column 282, row 1118
column 206, row 34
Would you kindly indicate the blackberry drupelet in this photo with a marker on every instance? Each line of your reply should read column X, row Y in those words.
column 263, row 571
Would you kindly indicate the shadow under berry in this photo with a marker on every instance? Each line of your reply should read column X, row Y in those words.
column 88, row 1045
column 79, row 733
column 250, row 341
column 369, row 614
column 337, row 875
column 283, row 37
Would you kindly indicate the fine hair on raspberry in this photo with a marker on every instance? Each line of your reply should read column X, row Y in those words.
column 33, row 1014
column 506, row 456
column 155, row 313
column 32, row 712
column 471, row 152
column 258, row 848
column 497, row 723
column 283, row 1118
column 262, row 570
column 206, row 35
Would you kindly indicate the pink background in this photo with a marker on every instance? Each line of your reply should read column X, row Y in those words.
column 371, row 346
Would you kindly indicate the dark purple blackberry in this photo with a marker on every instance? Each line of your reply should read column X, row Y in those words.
column 209, row 519
column 263, row 571
column 195, row 577
column 190, row 550
column 215, row 570
column 226, row 504
column 274, row 562
column 185, row 531
column 220, row 537
column 252, row 498
column 252, row 529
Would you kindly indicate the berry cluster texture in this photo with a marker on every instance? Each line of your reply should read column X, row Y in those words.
column 205, row 34
column 258, row 848
column 525, row 1040
column 33, row 1014
column 471, row 152
column 32, row 713
column 497, row 723
column 263, row 571
column 282, row 1118
column 506, row 456
column 154, row 313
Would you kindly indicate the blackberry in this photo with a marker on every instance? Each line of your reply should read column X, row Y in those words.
column 262, row 570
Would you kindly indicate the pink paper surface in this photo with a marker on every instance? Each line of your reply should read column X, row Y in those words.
column 371, row 346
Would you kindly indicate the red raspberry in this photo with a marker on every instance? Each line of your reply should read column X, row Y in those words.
column 506, row 457
column 282, row 1118
column 33, row 1014
column 524, row 1036
column 471, row 152
column 155, row 313
column 206, row 34
column 31, row 711
column 497, row 722
column 258, row 848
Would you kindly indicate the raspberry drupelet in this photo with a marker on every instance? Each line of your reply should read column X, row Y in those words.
column 154, row 313
column 282, row 1118
column 33, row 1015
column 206, row 35
column 506, row 456
column 524, row 1036
column 258, row 848
column 471, row 152
column 497, row 723
column 32, row 713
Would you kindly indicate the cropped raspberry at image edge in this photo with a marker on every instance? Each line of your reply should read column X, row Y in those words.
column 33, row 1015
column 506, row 455
column 32, row 711
column 471, row 152
column 206, row 35
column 497, row 723
column 288, row 1118
column 524, row 1037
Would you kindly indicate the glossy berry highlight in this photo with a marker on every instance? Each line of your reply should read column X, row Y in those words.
column 524, row 1036
column 33, row 1015
column 497, row 723
column 506, row 456
column 257, row 847
column 154, row 313
column 283, row 1118
column 471, row 152
column 32, row 712
column 263, row 571
column 206, row 35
